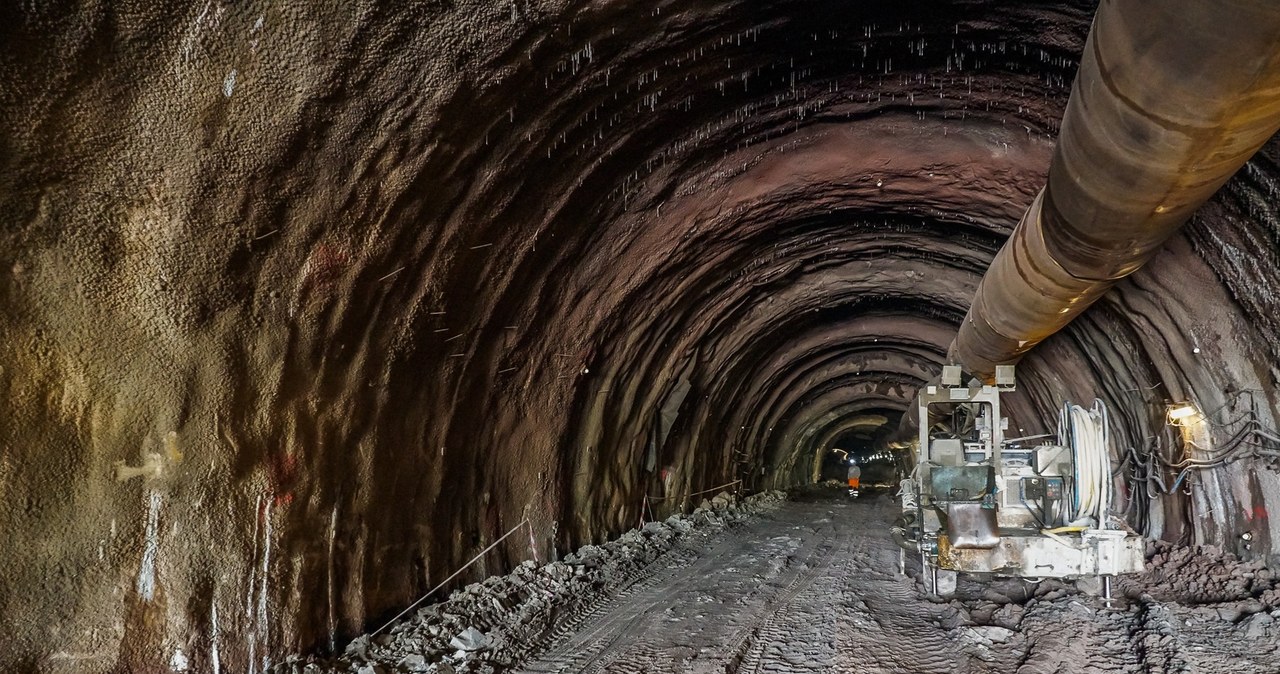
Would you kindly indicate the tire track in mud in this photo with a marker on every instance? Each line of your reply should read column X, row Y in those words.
column 813, row 587
column 625, row 634
column 891, row 629
column 571, row 643
column 746, row 654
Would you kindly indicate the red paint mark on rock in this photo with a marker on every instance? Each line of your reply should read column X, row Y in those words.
column 323, row 269
column 282, row 475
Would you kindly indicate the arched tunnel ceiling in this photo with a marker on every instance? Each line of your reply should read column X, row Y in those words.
column 305, row 306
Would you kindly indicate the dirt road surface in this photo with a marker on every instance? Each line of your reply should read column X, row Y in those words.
column 813, row 587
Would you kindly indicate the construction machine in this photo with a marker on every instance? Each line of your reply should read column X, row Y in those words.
column 980, row 504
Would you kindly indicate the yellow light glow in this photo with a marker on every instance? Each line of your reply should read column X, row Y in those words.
column 1183, row 411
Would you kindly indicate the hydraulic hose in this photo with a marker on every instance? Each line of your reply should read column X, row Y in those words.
column 899, row 534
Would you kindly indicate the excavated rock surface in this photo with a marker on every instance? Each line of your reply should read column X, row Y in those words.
column 302, row 307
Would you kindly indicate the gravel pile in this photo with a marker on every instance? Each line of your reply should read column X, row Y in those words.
column 1192, row 609
column 493, row 625
column 1206, row 575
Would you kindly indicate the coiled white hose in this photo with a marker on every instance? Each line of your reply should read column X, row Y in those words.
column 907, row 492
column 1088, row 437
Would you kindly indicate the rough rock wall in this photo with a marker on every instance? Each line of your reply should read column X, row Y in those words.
column 302, row 306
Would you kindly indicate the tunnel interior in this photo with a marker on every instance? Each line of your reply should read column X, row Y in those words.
column 305, row 307
column 864, row 441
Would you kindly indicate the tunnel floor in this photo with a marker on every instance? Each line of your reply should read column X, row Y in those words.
column 812, row 585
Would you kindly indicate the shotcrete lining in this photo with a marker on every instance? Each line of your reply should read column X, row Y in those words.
column 374, row 288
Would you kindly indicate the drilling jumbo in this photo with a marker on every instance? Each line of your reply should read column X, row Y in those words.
column 979, row 504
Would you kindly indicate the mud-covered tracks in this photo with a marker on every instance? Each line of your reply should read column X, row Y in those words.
column 716, row 613
column 789, row 622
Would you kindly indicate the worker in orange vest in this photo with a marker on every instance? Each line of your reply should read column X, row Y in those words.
column 855, row 477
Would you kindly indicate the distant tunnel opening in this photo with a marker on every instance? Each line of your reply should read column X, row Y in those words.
column 862, row 442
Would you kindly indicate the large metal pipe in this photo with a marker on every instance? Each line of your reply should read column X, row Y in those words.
column 1172, row 97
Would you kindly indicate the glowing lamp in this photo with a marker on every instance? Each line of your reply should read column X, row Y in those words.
column 1182, row 411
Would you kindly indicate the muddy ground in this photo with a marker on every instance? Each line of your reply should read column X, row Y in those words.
column 811, row 584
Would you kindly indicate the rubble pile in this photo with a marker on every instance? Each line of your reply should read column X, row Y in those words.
column 1203, row 576
column 1162, row 618
column 493, row 625
column 1207, row 575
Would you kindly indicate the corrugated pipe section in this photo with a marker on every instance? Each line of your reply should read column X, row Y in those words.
column 1172, row 97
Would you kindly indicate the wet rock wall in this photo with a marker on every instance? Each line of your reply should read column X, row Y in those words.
column 304, row 306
